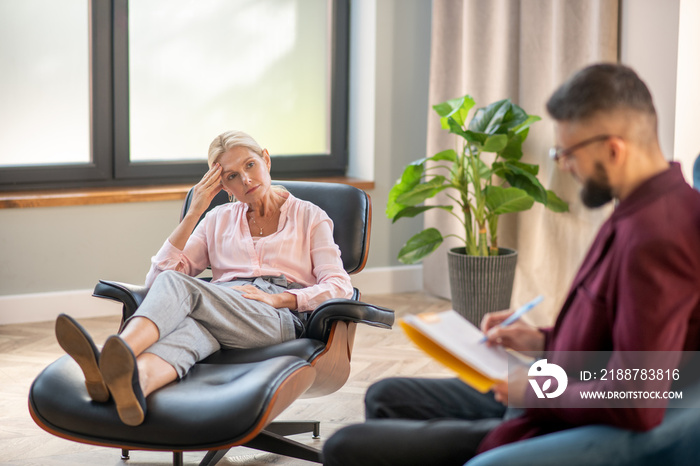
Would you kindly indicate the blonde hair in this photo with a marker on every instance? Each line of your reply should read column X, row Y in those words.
column 230, row 139
column 227, row 141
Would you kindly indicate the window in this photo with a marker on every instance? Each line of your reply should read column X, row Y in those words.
column 105, row 93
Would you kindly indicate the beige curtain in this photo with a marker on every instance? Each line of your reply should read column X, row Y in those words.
column 521, row 49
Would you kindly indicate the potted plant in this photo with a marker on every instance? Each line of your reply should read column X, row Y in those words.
column 485, row 178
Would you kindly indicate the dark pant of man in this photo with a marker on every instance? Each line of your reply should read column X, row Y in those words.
column 414, row 421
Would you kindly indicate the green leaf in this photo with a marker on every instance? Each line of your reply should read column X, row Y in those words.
column 420, row 245
column 450, row 155
column 495, row 143
column 503, row 169
column 483, row 169
column 528, row 167
column 530, row 184
column 498, row 118
column 506, row 200
column 486, row 117
column 514, row 117
column 422, row 191
column 411, row 176
column 455, row 128
column 476, row 138
column 522, row 175
column 458, row 109
column 525, row 124
column 516, row 137
column 393, row 207
column 412, row 211
column 555, row 203
column 514, row 148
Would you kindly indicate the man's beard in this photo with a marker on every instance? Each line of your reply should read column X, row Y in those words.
column 596, row 190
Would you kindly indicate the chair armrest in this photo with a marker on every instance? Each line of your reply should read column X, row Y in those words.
column 319, row 324
column 131, row 296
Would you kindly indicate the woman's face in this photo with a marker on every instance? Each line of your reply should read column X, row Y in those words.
column 244, row 174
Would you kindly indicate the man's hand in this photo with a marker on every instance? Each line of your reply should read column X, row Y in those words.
column 518, row 336
column 512, row 391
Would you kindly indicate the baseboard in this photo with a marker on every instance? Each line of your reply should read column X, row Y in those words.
column 386, row 280
column 41, row 307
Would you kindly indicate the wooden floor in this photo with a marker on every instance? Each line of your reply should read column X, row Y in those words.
column 26, row 349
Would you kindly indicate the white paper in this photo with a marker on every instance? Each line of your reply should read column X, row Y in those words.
column 462, row 339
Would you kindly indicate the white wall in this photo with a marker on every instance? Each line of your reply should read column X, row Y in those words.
column 649, row 44
column 50, row 258
column 661, row 41
column 400, row 113
column 363, row 82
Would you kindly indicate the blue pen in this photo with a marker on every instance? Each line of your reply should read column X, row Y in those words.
column 522, row 310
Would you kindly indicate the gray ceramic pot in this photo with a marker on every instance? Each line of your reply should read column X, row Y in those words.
column 481, row 284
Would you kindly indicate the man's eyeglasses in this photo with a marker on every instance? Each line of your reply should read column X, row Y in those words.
column 561, row 155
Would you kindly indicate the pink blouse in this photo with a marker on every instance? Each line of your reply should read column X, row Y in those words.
column 302, row 249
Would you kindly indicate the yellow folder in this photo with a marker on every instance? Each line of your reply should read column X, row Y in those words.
column 455, row 343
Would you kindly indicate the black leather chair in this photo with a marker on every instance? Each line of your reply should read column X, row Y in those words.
column 232, row 397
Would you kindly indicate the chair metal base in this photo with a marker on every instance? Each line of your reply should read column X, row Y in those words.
column 275, row 443
column 272, row 439
column 295, row 427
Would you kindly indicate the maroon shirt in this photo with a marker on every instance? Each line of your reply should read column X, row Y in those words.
column 638, row 289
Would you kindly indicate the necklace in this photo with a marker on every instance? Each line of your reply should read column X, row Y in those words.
column 252, row 217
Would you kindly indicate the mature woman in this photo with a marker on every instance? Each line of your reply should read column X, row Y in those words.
column 272, row 258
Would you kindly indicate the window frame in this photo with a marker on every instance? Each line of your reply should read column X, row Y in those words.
column 99, row 169
column 109, row 118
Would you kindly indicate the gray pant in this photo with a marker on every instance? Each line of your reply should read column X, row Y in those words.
column 196, row 318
